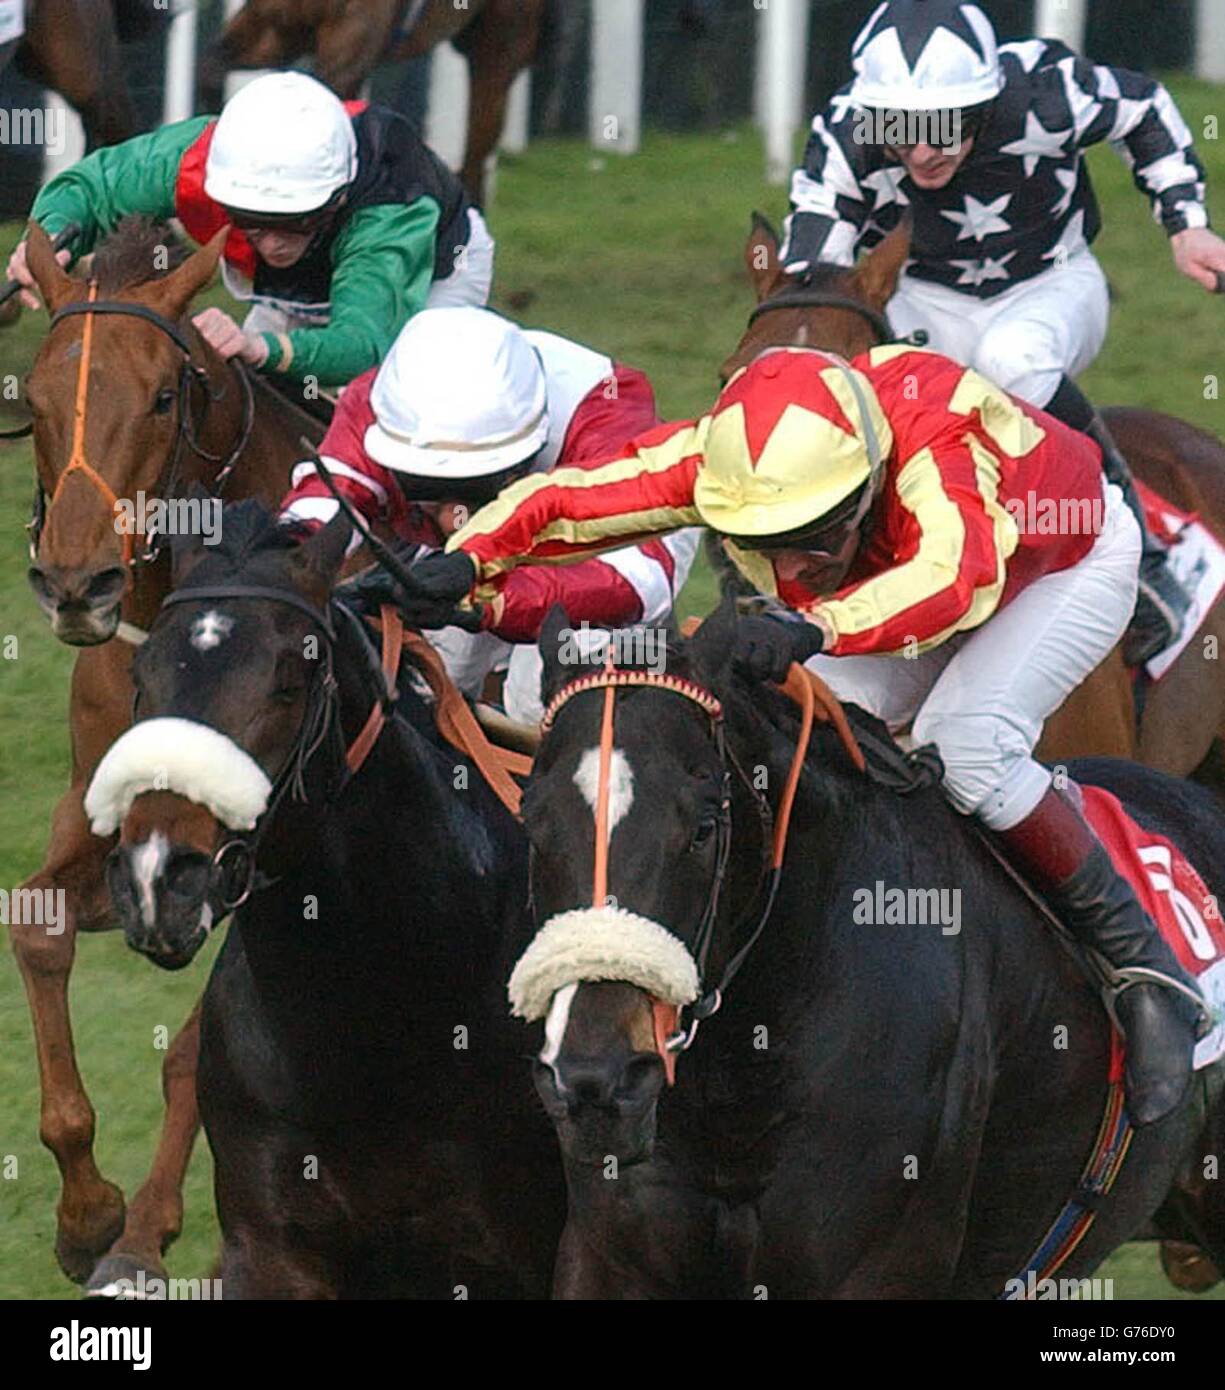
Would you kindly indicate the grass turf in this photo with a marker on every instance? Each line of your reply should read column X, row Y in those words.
column 642, row 258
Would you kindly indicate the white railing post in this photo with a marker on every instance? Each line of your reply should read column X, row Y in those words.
column 1062, row 19
column 518, row 114
column 614, row 118
column 782, row 57
column 61, row 117
column 446, row 116
column 179, row 96
column 236, row 80
column 1210, row 40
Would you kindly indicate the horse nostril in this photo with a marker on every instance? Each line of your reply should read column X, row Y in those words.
column 642, row 1077
column 106, row 587
column 186, row 876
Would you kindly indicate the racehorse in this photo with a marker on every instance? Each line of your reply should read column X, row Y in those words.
column 1180, row 718
column 159, row 410
column 360, row 1082
column 349, row 38
column 876, row 1109
column 72, row 46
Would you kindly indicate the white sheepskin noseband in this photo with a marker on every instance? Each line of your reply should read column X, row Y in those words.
column 177, row 755
column 601, row 943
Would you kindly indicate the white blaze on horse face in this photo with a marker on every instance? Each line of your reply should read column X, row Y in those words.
column 147, row 861
column 556, row 1023
column 210, row 630
column 620, row 784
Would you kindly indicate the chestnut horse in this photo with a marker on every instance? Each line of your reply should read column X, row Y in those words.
column 1181, row 717
column 156, row 419
column 349, row 38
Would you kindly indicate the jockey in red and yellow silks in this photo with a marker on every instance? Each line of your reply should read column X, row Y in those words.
column 945, row 555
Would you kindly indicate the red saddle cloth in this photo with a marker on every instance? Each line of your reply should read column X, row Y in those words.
column 1177, row 899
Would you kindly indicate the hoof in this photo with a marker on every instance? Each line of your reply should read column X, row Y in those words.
column 1187, row 1267
column 79, row 1251
column 125, row 1276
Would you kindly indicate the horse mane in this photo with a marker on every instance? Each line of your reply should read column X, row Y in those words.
column 140, row 249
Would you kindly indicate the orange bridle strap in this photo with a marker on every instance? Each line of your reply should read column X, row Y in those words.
column 77, row 462
column 599, row 878
column 393, row 646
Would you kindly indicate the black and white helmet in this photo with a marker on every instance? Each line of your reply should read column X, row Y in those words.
column 926, row 55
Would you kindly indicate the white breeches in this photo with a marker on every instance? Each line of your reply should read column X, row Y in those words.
column 983, row 697
column 1025, row 339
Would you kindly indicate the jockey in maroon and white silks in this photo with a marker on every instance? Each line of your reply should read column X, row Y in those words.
column 466, row 402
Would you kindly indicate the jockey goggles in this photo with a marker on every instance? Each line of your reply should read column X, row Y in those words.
column 949, row 129
column 293, row 223
column 825, row 539
column 473, row 492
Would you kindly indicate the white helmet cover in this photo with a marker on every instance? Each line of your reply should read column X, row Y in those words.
column 461, row 394
column 284, row 145
column 926, row 55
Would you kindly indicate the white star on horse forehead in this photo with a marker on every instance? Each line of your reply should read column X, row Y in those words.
column 980, row 220
column 210, row 630
column 1038, row 143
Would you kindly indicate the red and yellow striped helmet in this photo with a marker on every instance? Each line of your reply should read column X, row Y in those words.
column 792, row 437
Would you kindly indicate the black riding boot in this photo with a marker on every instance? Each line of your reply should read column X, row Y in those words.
column 1162, row 602
column 1155, row 1002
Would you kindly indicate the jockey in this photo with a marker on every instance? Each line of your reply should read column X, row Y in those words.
column 343, row 223
column 898, row 511
column 465, row 403
column 984, row 147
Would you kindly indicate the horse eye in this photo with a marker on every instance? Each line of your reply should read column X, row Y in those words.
column 703, row 833
column 164, row 402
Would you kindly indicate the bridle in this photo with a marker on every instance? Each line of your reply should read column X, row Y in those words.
column 188, row 432
column 235, row 862
column 673, row 1034
column 803, row 297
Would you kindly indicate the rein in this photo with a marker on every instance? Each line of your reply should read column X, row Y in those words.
column 672, row 1035
column 802, row 298
column 187, row 433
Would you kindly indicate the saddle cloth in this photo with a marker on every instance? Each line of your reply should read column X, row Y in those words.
column 1197, row 559
column 1176, row 898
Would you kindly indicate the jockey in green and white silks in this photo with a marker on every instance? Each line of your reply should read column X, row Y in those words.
column 983, row 147
column 343, row 224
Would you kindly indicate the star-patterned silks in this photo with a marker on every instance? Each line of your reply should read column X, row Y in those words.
column 980, row 220
column 885, row 183
column 977, row 273
column 1069, row 178
column 936, row 14
column 1071, row 241
column 1038, row 143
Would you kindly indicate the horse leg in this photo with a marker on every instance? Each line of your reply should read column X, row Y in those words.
column 75, row 50
column 90, row 1211
column 155, row 1214
column 348, row 46
column 254, row 1264
column 501, row 42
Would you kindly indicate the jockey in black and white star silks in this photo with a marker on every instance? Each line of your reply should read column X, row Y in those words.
column 1002, row 277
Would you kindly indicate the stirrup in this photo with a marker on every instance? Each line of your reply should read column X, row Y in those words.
column 1129, row 975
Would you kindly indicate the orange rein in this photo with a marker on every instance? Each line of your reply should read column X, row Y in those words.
column 77, row 462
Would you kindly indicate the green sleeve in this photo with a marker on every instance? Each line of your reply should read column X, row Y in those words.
column 384, row 266
column 137, row 176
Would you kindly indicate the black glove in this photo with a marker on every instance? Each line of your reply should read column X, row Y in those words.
column 765, row 647
column 433, row 605
column 445, row 575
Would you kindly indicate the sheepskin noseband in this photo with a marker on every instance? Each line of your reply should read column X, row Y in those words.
column 177, row 755
column 601, row 943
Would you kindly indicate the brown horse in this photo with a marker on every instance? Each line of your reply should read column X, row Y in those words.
column 72, row 46
column 150, row 410
column 1180, row 726
column 1182, row 718
column 349, row 38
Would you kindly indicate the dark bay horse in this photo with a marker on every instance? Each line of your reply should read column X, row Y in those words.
column 72, row 46
column 148, row 404
column 349, row 38
column 883, row 1106
column 361, row 1084
column 1182, row 720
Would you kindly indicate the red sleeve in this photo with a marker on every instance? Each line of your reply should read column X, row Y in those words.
column 589, row 591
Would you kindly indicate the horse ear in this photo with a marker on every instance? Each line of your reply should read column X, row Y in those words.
column 174, row 292
column 321, row 557
column 54, row 283
column 878, row 273
column 710, row 648
column 555, row 635
column 761, row 256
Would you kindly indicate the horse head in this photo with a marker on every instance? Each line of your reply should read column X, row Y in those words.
column 628, row 813
column 822, row 313
column 111, row 393
column 235, row 691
